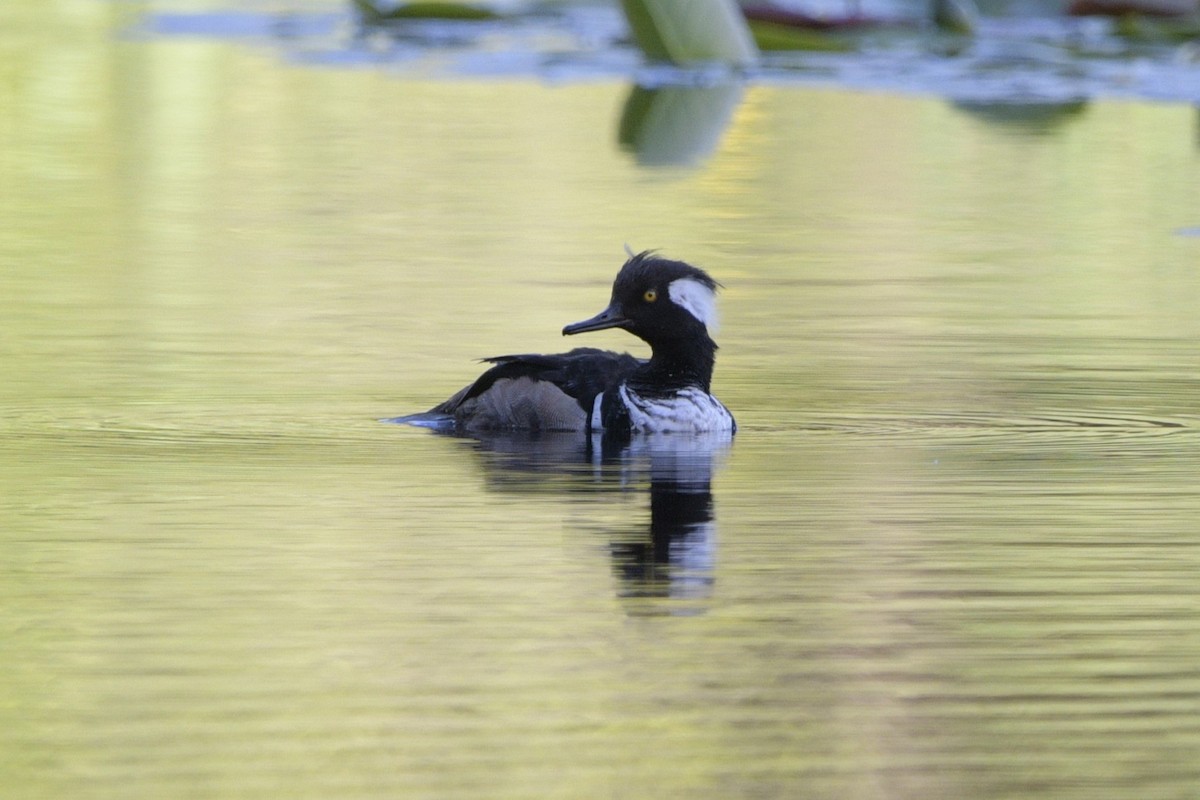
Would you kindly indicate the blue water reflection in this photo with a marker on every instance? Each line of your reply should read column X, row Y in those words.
column 1035, row 59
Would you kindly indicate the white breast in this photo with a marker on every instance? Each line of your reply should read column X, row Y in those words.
column 689, row 410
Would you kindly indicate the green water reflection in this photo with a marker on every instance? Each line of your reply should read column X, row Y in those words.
column 954, row 551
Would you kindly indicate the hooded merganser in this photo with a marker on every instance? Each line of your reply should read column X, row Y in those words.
column 668, row 304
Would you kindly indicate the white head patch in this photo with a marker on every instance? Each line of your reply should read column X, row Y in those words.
column 699, row 300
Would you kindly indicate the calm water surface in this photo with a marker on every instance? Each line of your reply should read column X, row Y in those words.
column 952, row 552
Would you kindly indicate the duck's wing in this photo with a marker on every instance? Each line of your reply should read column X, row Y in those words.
column 538, row 392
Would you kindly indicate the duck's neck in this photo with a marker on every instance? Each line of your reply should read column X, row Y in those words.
column 676, row 364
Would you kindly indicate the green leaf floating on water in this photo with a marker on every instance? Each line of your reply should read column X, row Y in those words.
column 773, row 36
column 691, row 31
column 431, row 10
column 1141, row 28
column 956, row 16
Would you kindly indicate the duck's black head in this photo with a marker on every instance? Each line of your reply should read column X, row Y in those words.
column 671, row 306
column 658, row 300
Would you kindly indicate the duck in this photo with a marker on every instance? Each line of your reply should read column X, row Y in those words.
column 668, row 304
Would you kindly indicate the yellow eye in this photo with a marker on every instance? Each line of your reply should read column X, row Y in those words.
column 650, row 296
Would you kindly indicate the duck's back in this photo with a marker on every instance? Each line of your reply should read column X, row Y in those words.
column 539, row 392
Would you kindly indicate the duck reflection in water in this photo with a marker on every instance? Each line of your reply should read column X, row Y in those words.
column 678, row 557
column 667, row 561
